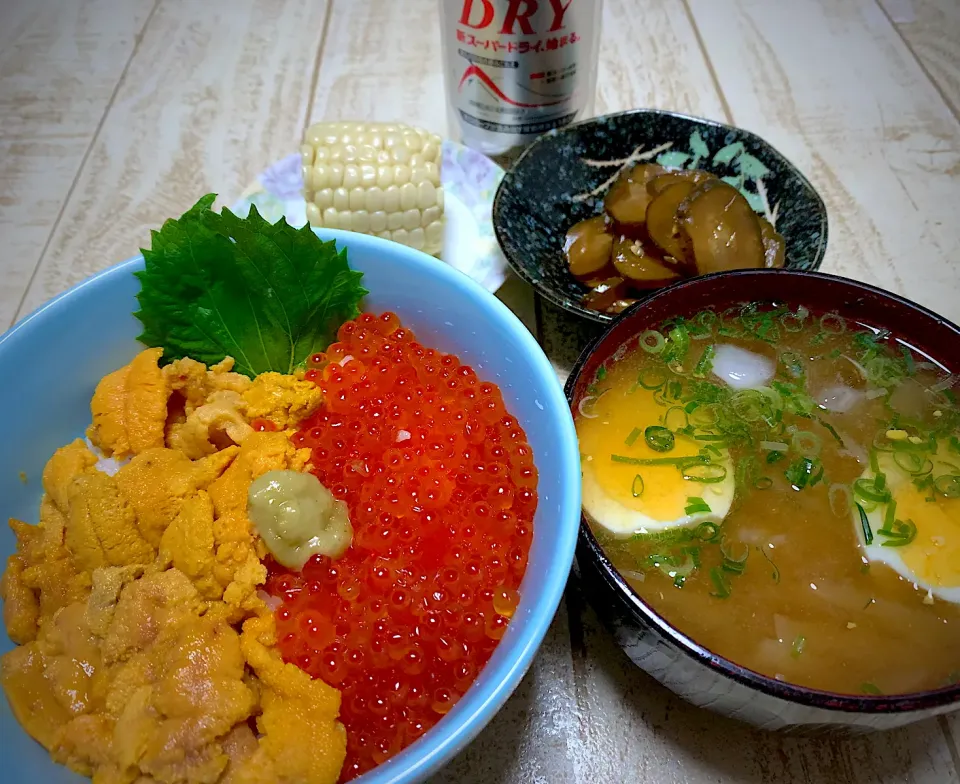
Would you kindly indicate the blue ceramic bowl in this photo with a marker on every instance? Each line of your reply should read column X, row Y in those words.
column 51, row 361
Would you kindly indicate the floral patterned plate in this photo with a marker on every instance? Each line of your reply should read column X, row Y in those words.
column 469, row 180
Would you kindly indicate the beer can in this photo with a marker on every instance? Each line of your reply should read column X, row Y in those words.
column 515, row 69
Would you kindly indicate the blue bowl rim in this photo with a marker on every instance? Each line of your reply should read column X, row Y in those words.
column 606, row 318
column 588, row 547
column 445, row 740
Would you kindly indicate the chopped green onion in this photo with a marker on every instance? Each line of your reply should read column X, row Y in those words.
column 674, row 461
column 652, row 341
column 833, row 324
column 652, row 378
column 720, row 584
column 706, row 415
column 703, row 322
column 710, row 437
column 870, row 688
column 734, row 556
column 637, row 487
column 913, row 463
column 791, row 322
column 776, row 570
column 678, row 344
column 601, row 373
column 740, row 555
column 889, row 516
column 727, row 329
column 806, row 443
column 676, row 419
column 832, row 430
column 634, row 435
column 773, row 457
column 696, row 505
column 871, row 490
column 865, row 525
column 797, row 647
column 763, row 483
column 901, row 533
column 707, row 473
column 705, row 365
column 733, row 567
column 774, row 446
column 840, row 500
column 659, row 439
column 800, row 473
column 792, row 362
column 948, row 485
column 707, row 531
column 694, row 553
column 908, row 360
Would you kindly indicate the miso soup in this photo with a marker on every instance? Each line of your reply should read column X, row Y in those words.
column 784, row 488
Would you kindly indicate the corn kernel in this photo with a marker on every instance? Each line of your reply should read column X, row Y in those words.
column 358, row 198
column 368, row 175
column 360, row 221
column 429, row 215
column 408, row 196
column 375, row 178
column 416, row 239
column 394, row 220
column 411, row 219
column 401, row 175
column 391, row 199
column 426, row 194
column 351, row 177
column 324, row 198
column 378, row 221
column 375, row 199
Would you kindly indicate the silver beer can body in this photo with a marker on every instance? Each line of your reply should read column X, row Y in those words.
column 514, row 69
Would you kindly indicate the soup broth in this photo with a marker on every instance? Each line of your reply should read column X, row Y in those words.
column 782, row 487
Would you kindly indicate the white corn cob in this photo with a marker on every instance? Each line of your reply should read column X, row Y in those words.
column 375, row 178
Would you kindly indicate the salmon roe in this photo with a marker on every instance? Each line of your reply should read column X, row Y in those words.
column 441, row 487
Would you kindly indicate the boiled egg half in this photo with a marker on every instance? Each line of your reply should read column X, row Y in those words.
column 631, row 487
column 919, row 537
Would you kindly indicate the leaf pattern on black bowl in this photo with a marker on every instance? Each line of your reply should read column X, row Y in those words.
column 563, row 176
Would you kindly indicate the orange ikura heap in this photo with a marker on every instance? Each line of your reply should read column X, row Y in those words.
column 441, row 487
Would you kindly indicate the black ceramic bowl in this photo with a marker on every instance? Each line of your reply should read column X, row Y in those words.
column 562, row 178
column 678, row 662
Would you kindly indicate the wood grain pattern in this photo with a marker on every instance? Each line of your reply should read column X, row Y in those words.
column 59, row 66
column 358, row 80
column 931, row 29
column 650, row 58
column 833, row 86
column 209, row 99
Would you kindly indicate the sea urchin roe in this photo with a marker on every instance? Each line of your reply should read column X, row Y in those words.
column 441, row 486
column 297, row 517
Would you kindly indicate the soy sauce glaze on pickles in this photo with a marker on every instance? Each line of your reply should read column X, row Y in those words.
column 659, row 226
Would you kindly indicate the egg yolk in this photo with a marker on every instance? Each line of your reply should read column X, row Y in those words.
column 605, row 428
column 934, row 555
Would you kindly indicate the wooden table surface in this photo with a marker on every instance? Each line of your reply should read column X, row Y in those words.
column 116, row 114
